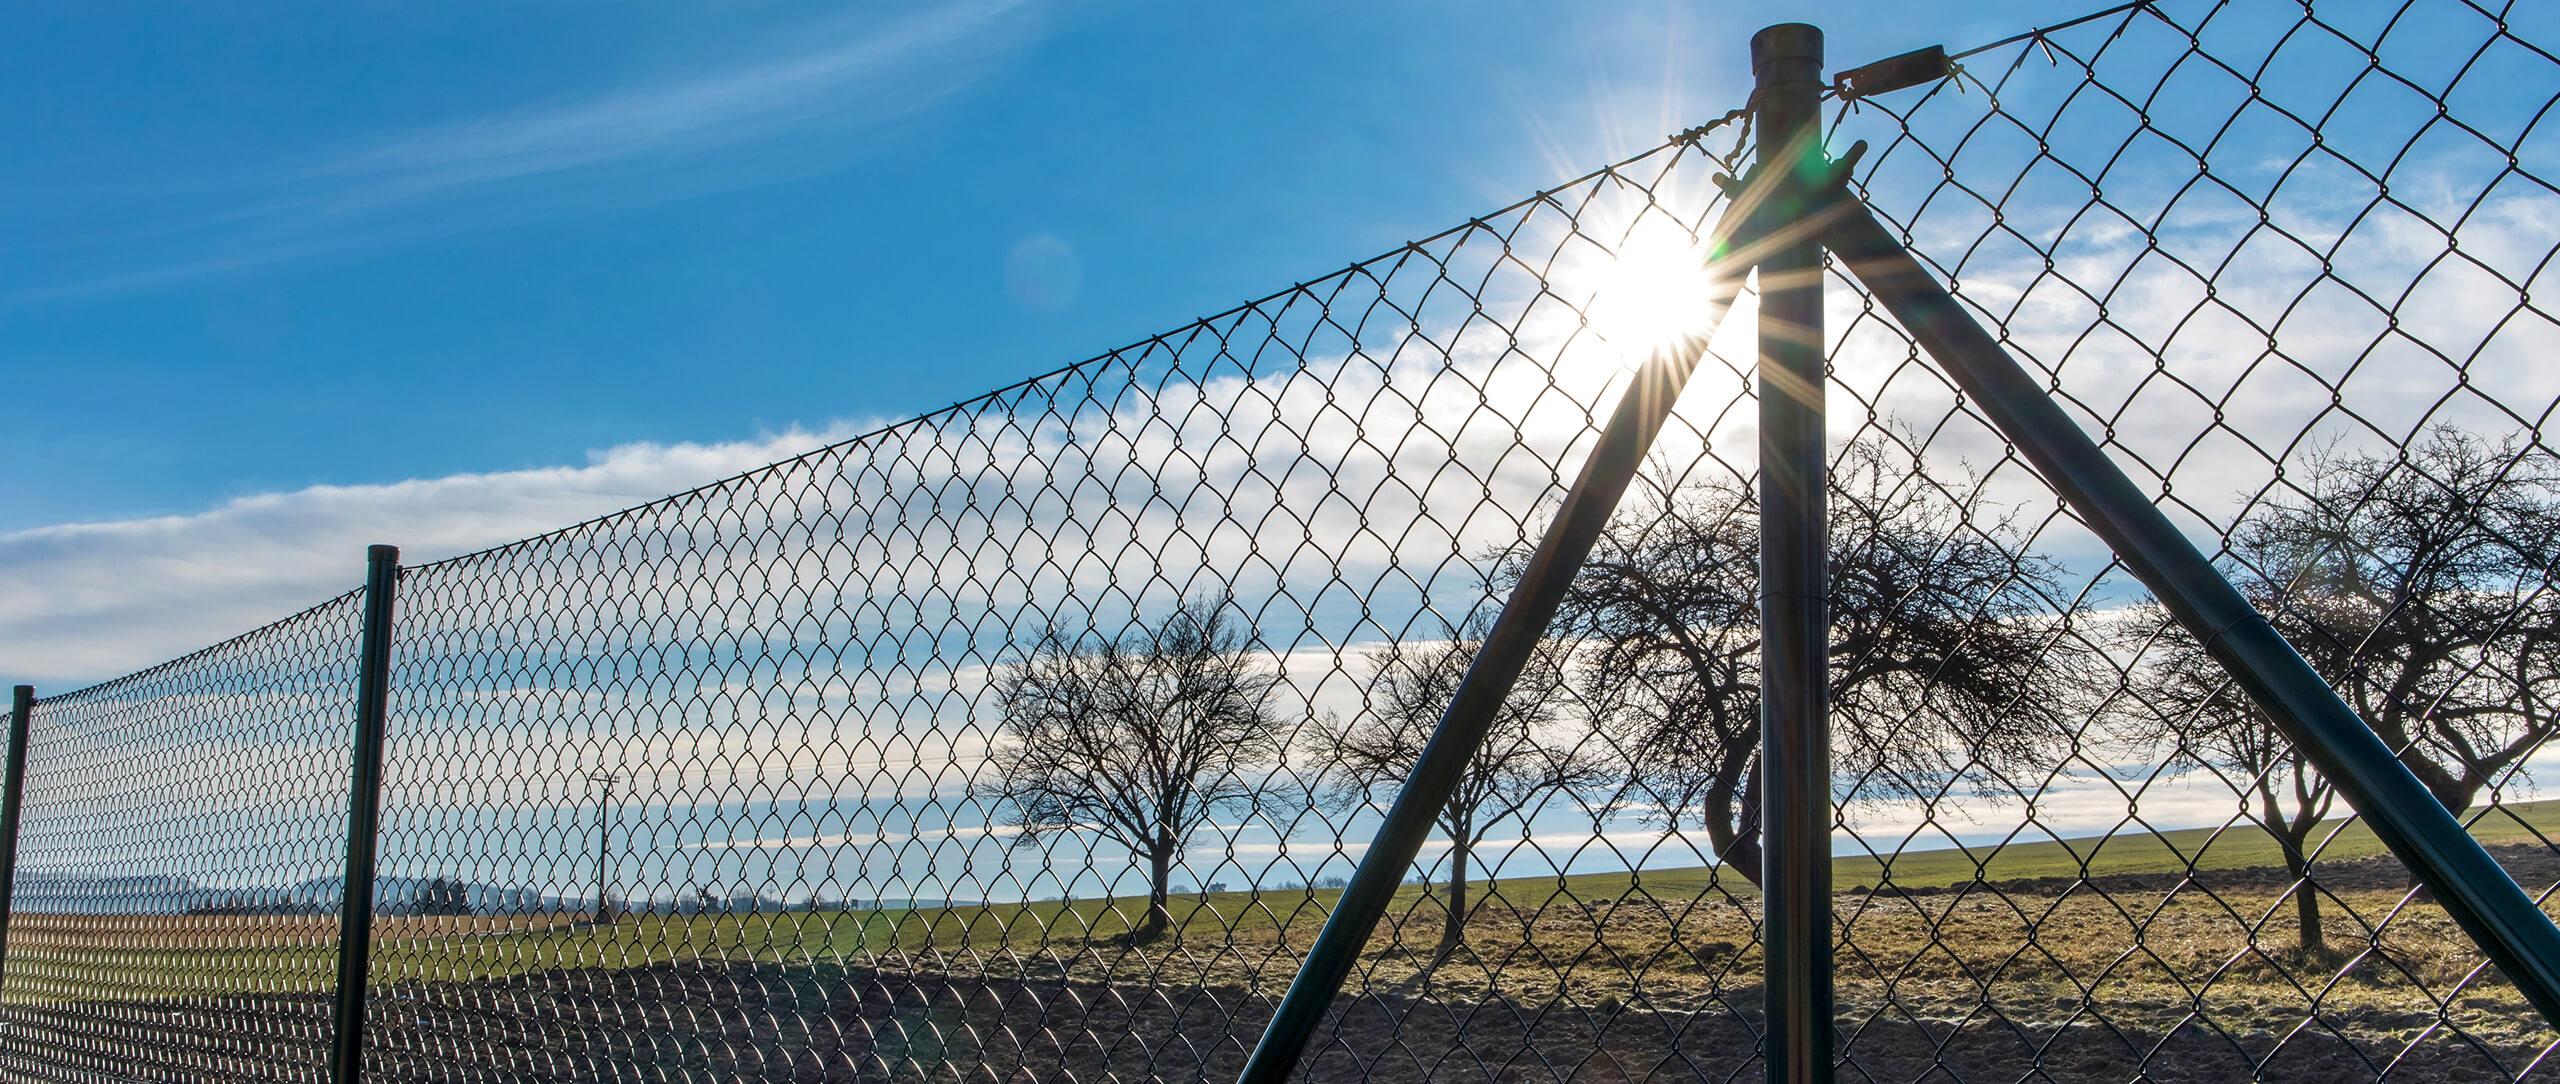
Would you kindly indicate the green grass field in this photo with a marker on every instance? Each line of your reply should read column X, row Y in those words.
column 1259, row 931
column 2133, row 852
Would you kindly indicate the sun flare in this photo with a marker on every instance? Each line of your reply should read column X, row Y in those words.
column 1648, row 294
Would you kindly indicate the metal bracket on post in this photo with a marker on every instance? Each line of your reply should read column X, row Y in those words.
column 2474, row 890
column 13, row 794
column 1795, row 553
column 364, row 814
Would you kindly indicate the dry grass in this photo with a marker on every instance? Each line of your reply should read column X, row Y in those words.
column 2145, row 935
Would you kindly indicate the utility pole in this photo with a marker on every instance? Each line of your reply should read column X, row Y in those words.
column 604, row 844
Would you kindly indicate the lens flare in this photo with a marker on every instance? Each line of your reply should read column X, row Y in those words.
column 1650, row 293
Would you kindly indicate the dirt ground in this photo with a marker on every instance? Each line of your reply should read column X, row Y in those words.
column 2126, row 978
column 729, row 1023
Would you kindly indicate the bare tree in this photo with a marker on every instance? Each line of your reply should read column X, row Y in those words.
column 1520, row 763
column 1142, row 739
column 2210, row 722
column 2419, row 587
column 1949, row 649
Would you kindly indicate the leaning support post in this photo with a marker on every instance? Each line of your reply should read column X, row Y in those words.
column 2479, row 895
column 13, row 795
column 1795, row 627
column 1507, row 649
column 364, row 814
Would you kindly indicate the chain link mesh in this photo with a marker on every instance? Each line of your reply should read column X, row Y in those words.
column 2282, row 260
column 174, row 915
column 1031, row 739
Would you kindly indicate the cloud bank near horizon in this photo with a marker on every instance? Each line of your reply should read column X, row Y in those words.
column 85, row 602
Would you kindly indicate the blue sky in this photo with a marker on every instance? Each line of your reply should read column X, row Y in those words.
column 257, row 248
column 295, row 279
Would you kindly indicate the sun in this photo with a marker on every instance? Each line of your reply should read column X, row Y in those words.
column 1646, row 293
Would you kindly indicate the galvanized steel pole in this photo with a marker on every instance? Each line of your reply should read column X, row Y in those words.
column 2474, row 890
column 1507, row 649
column 364, row 814
column 13, row 794
column 1795, row 626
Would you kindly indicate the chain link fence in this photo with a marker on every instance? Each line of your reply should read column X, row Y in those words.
column 1033, row 739
column 174, row 909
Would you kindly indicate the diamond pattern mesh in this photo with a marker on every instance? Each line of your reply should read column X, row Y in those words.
column 1031, row 739
column 179, row 864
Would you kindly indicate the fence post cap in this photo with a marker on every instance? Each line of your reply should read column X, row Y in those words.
column 1786, row 41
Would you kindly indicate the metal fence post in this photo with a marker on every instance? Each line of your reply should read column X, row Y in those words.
column 2475, row 891
column 1795, row 627
column 364, row 814
column 13, row 794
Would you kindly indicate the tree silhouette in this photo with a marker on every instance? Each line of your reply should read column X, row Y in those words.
column 2212, row 723
column 444, row 896
column 2418, row 586
column 1520, row 762
column 1142, row 739
column 1949, row 649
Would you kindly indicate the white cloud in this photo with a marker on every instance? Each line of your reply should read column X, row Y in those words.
column 86, row 601
column 850, row 839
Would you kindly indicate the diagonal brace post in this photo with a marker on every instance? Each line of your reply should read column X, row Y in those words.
column 2474, row 890
column 1508, row 647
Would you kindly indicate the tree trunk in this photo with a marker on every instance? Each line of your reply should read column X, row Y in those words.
column 2454, row 788
column 1159, row 883
column 2306, row 899
column 2456, row 793
column 2292, row 831
column 1456, row 930
column 1734, row 832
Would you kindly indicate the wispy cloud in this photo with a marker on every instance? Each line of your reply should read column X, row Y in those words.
column 859, row 70
column 778, row 114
